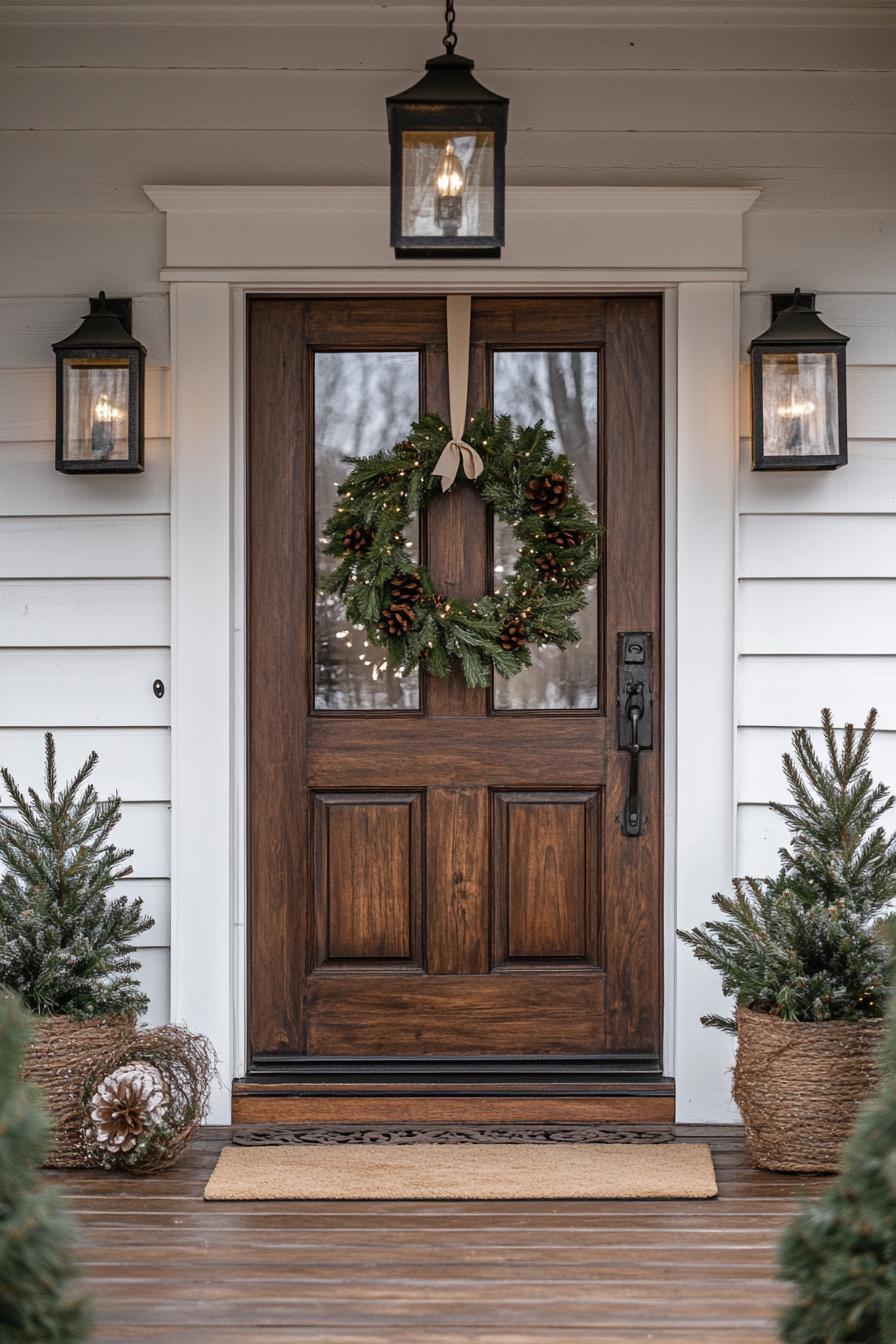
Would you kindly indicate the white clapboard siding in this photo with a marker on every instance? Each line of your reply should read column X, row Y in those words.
column 760, row 834
column 155, row 893
column 30, row 484
column 791, row 169
column 759, row 752
column 846, row 250
column 92, row 546
column 28, row 404
column 29, row 326
column 122, row 254
column 867, row 484
column 146, row 829
column 787, row 545
column 303, row 99
column 791, row 691
column 84, row 612
column 135, row 763
column 855, row 616
column 395, row 39
column 155, row 978
column 870, row 400
column 869, row 320
column 71, row 687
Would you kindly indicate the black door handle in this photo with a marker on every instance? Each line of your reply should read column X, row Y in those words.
column 635, row 720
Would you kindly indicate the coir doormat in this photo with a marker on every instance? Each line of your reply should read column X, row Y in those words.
column 464, row 1172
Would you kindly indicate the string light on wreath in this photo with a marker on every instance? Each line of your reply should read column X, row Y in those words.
column 394, row 600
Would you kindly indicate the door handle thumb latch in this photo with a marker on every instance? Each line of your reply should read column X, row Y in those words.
column 634, row 720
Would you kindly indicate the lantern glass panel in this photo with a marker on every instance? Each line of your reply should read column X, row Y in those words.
column 448, row 184
column 95, row 409
column 800, row 413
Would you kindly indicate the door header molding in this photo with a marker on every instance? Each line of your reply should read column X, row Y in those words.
column 338, row 237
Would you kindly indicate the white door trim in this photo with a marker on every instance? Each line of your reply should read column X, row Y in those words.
column 223, row 243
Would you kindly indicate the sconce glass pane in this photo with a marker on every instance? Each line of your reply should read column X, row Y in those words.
column 799, row 404
column 448, row 184
column 561, row 388
column 95, row 410
column 364, row 400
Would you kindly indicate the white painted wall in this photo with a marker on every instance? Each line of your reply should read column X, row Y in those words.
column 96, row 100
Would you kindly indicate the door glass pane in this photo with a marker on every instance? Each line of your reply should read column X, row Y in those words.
column 559, row 387
column 364, row 400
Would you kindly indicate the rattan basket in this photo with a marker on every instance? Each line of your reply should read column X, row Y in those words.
column 63, row 1052
column 799, row 1086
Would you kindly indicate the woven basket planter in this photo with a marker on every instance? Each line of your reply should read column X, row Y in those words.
column 799, row 1086
column 63, row 1053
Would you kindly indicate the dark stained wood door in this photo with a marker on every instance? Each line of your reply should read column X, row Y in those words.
column 438, row 875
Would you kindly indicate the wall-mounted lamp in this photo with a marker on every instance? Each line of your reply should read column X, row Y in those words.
column 447, row 136
column 798, row 380
column 99, row 393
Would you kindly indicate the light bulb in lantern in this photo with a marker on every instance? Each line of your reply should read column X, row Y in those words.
column 102, row 429
column 449, row 191
column 793, row 409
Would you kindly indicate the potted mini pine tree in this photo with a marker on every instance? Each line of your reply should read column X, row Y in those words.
column 65, row 938
column 802, row 956
column 37, row 1304
column 840, row 1252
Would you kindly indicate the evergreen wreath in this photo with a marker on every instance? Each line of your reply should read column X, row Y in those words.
column 529, row 487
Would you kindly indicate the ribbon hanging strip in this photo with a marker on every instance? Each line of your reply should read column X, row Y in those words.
column 457, row 311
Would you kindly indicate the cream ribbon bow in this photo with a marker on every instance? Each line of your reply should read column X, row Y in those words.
column 456, row 450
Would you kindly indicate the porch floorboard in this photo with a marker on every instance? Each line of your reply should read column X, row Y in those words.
column 162, row 1265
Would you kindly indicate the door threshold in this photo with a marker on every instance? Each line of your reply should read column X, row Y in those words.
column 625, row 1098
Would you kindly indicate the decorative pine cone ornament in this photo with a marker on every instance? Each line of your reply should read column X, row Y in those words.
column 546, row 495
column 357, row 539
column 563, row 538
column 514, row 635
column 125, row 1104
column 397, row 619
column 548, row 565
column 406, row 588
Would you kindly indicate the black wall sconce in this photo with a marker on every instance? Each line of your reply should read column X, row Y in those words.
column 447, row 137
column 100, row 393
column 798, row 382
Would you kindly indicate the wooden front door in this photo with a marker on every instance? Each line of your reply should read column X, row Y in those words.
column 442, row 898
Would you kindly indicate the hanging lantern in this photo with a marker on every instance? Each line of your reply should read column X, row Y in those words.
column 798, row 374
column 99, row 395
column 447, row 136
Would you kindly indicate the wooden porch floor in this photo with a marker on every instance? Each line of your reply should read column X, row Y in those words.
column 163, row 1266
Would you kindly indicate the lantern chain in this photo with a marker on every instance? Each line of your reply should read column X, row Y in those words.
column 449, row 41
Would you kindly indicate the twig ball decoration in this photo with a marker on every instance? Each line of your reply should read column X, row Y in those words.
column 394, row 600
column 126, row 1103
column 143, row 1110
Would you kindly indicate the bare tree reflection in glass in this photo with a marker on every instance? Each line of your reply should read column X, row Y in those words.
column 364, row 400
column 559, row 387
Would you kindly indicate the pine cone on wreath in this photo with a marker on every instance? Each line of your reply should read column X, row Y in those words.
column 563, row 538
column 357, row 539
column 125, row 1103
column 406, row 588
column 546, row 495
column 397, row 619
column 514, row 635
column 548, row 565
